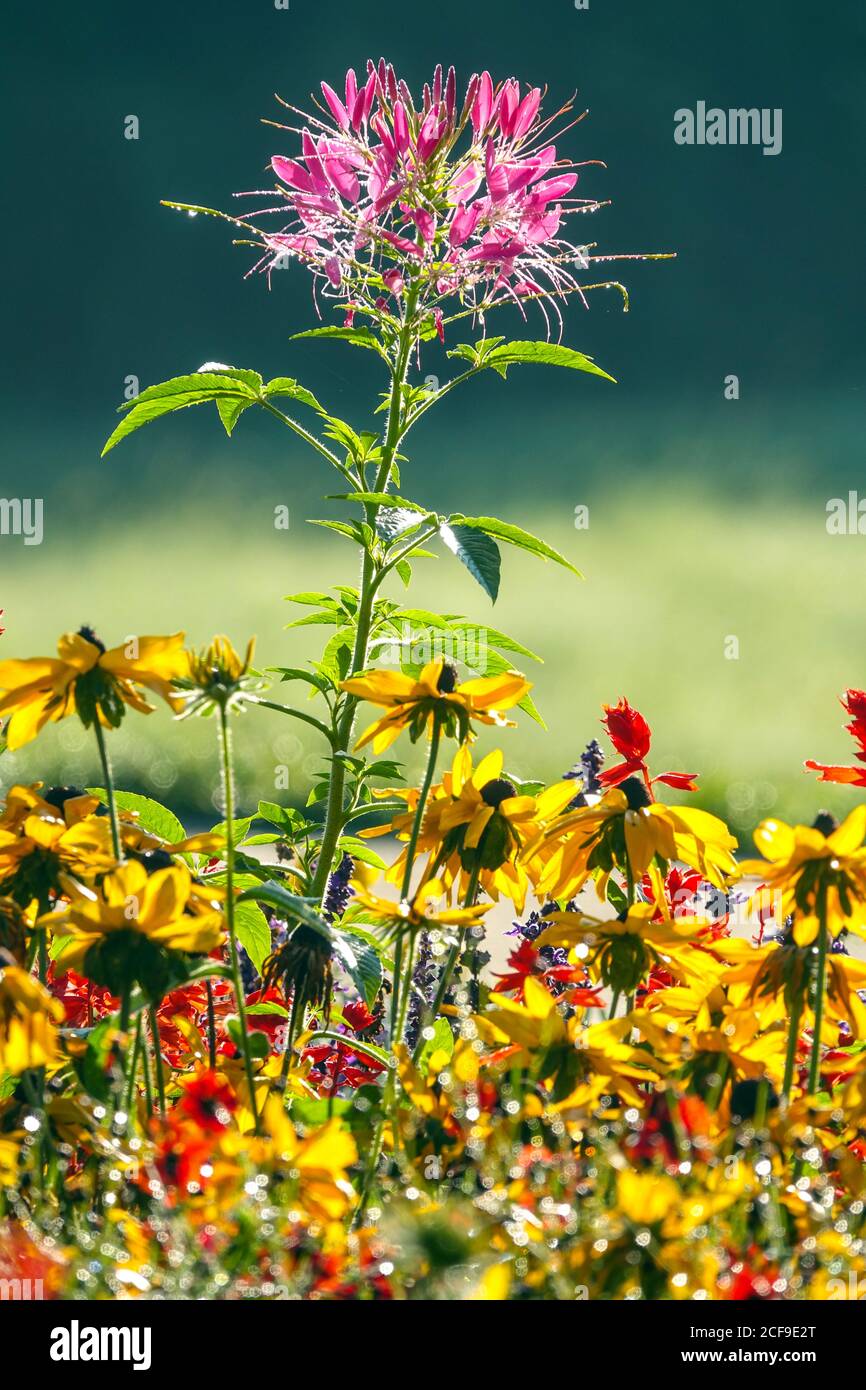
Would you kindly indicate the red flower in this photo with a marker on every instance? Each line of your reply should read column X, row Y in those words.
column 667, row 1124
column 526, row 961
column 208, row 1100
column 84, row 1002
column 180, row 1151
column 358, row 1016
column 630, row 735
column 854, row 703
column 189, row 1003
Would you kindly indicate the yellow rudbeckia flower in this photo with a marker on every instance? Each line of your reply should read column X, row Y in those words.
column 396, row 919
column 815, row 867
column 436, row 694
column 621, row 951
column 477, row 819
column 626, row 831
column 40, row 841
column 128, row 908
column 28, row 1022
column 87, row 679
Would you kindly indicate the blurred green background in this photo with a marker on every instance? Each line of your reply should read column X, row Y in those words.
column 707, row 516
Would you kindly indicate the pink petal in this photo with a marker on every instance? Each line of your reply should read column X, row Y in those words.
column 338, row 110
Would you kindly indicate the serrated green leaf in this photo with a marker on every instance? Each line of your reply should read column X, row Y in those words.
column 253, row 932
column 361, row 963
column 543, row 353
column 288, row 386
column 182, row 392
column 152, row 816
column 358, row 337
column 230, row 409
column 514, row 535
column 478, row 552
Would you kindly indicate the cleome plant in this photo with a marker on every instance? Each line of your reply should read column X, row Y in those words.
column 266, row 1060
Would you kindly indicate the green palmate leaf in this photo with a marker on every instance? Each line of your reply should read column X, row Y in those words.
column 359, row 849
column 240, row 829
column 394, row 522
column 357, row 531
column 492, row 637
column 312, row 598
column 231, row 388
column 253, row 932
column 235, row 388
column 254, row 1010
column 379, row 499
column 359, row 337
column 288, row 386
column 297, row 673
column 500, row 356
column 151, row 815
column 285, row 818
column 230, row 409
column 514, row 535
column 477, row 551
column 338, row 654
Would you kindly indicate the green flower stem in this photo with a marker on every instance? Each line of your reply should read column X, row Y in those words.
column 820, row 983
column 148, row 1083
column 133, row 1068
column 157, row 1058
column 234, row 962
column 399, row 997
column 396, row 1035
column 449, row 967
column 369, row 577
column 793, row 1040
column 715, row 1094
column 109, row 788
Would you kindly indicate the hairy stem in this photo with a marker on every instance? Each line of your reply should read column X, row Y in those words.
column 234, row 962
column 369, row 576
column 109, row 788
column 820, row 983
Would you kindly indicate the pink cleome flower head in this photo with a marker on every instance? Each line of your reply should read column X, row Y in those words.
column 390, row 197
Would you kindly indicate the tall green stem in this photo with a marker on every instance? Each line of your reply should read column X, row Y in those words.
column 820, row 982
column 411, row 848
column 234, row 962
column 157, row 1057
column 334, row 811
column 793, row 1040
column 449, row 967
column 109, row 788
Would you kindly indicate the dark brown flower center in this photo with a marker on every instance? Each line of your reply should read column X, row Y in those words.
column 447, row 678
column 825, row 823
column 497, row 791
column 90, row 636
column 635, row 793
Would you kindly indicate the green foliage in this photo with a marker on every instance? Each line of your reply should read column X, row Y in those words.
column 231, row 389
column 151, row 815
column 499, row 355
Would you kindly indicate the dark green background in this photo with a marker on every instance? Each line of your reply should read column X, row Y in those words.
column 101, row 281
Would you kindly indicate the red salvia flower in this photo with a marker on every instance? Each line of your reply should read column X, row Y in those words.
column 854, row 703
column 630, row 735
column 209, row 1100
